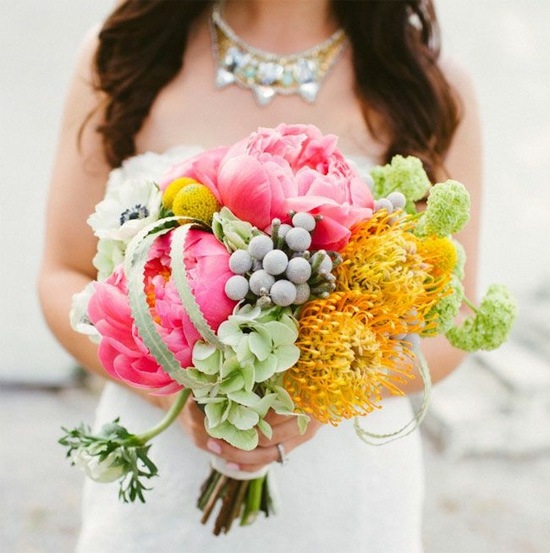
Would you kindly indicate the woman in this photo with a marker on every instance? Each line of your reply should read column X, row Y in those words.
column 145, row 93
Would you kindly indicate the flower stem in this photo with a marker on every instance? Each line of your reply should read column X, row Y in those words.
column 170, row 417
column 253, row 501
column 472, row 306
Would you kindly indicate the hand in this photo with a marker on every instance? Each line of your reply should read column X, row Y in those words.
column 285, row 431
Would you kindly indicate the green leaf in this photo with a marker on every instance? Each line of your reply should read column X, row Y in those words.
column 289, row 321
column 265, row 369
column 280, row 333
column 243, row 352
column 243, row 397
column 229, row 365
column 303, row 421
column 246, row 440
column 207, row 364
column 283, row 399
column 203, row 350
column 248, row 373
column 192, row 378
column 216, row 413
column 179, row 278
column 134, row 266
column 233, row 382
column 259, row 346
column 242, row 417
column 265, row 404
column 229, row 333
column 265, row 428
column 287, row 356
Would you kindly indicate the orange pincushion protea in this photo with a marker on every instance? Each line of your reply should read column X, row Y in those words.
column 347, row 356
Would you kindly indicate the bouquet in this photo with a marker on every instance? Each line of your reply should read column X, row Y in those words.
column 269, row 277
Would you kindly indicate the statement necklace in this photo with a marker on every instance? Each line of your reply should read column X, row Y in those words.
column 268, row 74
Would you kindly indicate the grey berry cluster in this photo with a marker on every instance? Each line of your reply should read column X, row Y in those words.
column 394, row 200
column 279, row 269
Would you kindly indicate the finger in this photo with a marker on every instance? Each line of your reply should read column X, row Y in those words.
column 257, row 456
column 251, row 461
column 296, row 439
column 195, row 412
column 250, row 468
column 281, row 433
column 274, row 419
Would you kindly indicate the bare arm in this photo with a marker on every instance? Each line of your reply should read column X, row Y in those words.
column 464, row 164
column 77, row 184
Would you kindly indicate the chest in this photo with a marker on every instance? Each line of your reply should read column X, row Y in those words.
column 192, row 110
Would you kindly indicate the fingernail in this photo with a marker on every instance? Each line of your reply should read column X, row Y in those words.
column 233, row 466
column 214, row 447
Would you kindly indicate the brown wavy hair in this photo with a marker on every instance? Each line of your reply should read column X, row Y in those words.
column 395, row 52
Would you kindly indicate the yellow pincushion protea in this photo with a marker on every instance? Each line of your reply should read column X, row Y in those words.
column 393, row 268
column 347, row 356
column 354, row 343
column 197, row 202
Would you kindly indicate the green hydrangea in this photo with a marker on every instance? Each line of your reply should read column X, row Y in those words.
column 444, row 312
column 240, row 383
column 234, row 233
column 458, row 271
column 491, row 324
column 405, row 175
column 447, row 210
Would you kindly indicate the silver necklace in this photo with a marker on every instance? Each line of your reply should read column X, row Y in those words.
column 268, row 74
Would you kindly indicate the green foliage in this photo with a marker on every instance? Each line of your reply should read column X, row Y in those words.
column 491, row 324
column 112, row 454
column 405, row 175
column 444, row 312
column 447, row 210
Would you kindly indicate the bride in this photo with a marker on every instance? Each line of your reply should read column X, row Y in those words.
column 163, row 80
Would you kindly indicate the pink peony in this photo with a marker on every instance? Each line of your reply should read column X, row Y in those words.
column 274, row 171
column 203, row 168
column 122, row 351
column 294, row 167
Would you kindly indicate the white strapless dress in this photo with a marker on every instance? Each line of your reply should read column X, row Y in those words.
column 337, row 494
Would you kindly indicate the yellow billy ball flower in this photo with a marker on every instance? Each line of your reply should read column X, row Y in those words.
column 197, row 202
column 440, row 253
column 173, row 188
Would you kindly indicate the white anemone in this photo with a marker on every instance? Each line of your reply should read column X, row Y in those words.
column 126, row 210
column 107, row 470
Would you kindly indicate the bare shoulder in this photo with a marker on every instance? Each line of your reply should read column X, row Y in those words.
column 82, row 111
column 464, row 159
column 467, row 142
column 79, row 169
column 86, row 52
column 460, row 79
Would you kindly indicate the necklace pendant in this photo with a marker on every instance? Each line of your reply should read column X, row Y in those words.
column 224, row 77
column 263, row 94
column 308, row 91
column 267, row 74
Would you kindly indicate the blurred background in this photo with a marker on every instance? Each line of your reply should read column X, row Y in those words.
column 487, row 437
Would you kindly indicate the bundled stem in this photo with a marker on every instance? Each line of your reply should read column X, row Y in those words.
column 238, row 498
